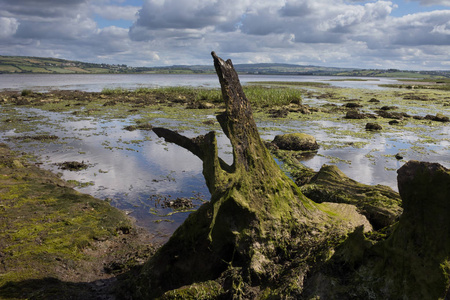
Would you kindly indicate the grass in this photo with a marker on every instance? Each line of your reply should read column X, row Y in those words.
column 259, row 96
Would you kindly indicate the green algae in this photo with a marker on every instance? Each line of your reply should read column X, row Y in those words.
column 48, row 228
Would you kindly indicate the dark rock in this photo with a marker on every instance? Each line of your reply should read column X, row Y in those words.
column 438, row 117
column 394, row 122
column 421, row 240
column 373, row 100
column 355, row 115
column 373, row 126
column 296, row 142
column 392, row 115
column 73, row 165
column 398, row 156
column 388, row 107
column 352, row 105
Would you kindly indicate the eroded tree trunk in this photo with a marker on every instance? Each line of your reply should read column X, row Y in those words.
column 256, row 219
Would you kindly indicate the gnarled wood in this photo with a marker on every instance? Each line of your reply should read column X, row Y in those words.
column 255, row 215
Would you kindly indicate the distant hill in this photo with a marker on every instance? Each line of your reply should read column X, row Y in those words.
column 24, row 64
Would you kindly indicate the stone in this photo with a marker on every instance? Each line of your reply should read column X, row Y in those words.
column 373, row 126
column 439, row 118
column 296, row 142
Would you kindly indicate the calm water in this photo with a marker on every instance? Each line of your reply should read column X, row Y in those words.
column 97, row 82
column 136, row 171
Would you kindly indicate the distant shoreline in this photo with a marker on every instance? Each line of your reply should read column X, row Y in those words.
column 39, row 65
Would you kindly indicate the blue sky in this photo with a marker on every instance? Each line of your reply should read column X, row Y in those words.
column 412, row 34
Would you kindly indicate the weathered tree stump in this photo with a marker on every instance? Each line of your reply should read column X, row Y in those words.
column 257, row 222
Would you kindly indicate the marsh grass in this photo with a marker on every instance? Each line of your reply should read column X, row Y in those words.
column 259, row 96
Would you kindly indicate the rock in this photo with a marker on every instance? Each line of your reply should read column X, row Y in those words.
column 373, row 126
column 398, row 156
column 388, row 107
column 296, row 142
column 416, row 254
column 392, row 115
column 411, row 261
column 380, row 204
column 439, row 118
column 356, row 115
column 394, row 122
column 352, row 105
column 373, row 100
column 73, row 165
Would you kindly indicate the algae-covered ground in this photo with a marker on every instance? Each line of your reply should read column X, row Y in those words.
column 59, row 242
column 56, row 242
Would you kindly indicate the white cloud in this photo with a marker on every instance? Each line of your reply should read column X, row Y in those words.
column 339, row 33
column 8, row 27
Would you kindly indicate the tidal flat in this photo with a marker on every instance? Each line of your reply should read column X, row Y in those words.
column 110, row 133
column 102, row 144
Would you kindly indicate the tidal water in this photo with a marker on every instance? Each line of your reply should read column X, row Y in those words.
column 138, row 172
column 98, row 82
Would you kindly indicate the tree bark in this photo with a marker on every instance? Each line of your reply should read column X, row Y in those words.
column 256, row 219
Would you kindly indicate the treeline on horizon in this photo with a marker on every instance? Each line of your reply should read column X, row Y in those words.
column 39, row 65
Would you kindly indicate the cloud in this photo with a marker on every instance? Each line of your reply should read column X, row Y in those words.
column 433, row 2
column 343, row 33
column 115, row 12
column 191, row 14
column 42, row 8
column 8, row 27
column 430, row 28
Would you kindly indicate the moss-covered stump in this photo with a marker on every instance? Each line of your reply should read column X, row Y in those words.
column 417, row 254
column 412, row 262
column 259, row 235
column 296, row 142
column 380, row 204
column 56, row 243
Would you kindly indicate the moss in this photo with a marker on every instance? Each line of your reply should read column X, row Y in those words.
column 203, row 290
column 47, row 226
column 380, row 204
column 258, row 227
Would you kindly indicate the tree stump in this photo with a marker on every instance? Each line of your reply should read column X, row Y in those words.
column 256, row 222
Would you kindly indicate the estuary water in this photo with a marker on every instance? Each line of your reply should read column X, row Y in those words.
column 141, row 174
column 98, row 82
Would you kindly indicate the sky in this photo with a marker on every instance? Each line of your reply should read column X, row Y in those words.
column 404, row 34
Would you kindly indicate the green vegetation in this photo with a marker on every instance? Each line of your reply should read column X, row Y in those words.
column 23, row 64
column 423, row 84
column 50, row 233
